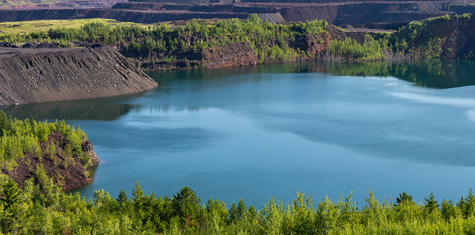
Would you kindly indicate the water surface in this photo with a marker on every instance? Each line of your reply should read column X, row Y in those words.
column 258, row 132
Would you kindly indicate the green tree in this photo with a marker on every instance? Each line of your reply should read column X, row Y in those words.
column 233, row 213
column 187, row 206
column 241, row 209
column 3, row 123
column 403, row 198
column 430, row 203
column 122, row 198
column 11, row 194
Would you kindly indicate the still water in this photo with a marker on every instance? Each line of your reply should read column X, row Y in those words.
column 254, row 133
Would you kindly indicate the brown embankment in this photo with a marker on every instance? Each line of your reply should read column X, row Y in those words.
column 70, row 4
column 336, row 12
column 31, row 75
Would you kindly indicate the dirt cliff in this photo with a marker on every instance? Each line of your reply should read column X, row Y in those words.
column 36, row 4
column 32, row 75
column 236, row 54
column 338, row 12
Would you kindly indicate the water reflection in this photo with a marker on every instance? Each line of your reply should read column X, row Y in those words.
column 424, row 73
column 93, row 109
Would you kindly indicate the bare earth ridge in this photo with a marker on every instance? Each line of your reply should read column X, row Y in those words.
column 43, row 75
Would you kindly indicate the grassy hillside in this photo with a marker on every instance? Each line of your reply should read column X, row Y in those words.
column 28, row 27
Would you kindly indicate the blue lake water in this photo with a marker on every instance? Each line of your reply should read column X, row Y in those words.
column 259, row 132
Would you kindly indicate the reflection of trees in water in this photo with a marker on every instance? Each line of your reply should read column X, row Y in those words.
column 166, row 108
column 426, row 73
column 80, row 109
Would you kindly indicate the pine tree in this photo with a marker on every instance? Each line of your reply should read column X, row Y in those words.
column 403, row 198
column 430, row 203
column 3, row 123
column 186, row 205
column 241, row 210
column 210, row 205
column 252, row 212
column 11, row 194
column 138, row 195
column 122, row 198
column 233, row 213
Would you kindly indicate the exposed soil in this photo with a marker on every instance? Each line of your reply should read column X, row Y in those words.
column 42, row 75
column 68, row 172
column 236, row 54
column 338, row 12
column 36, row 4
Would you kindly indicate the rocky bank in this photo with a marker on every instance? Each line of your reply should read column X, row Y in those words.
column 43, row 75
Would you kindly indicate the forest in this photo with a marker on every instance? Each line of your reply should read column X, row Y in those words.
column 40, row 206
column 163, row 43
column 270, row 42
column 48, row 210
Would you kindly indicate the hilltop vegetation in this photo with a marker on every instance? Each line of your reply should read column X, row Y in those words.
column 38, row 26
column 40, row 150
column 199, row 43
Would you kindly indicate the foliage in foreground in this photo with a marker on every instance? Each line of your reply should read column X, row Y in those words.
column 18, row 138
column 50, row 211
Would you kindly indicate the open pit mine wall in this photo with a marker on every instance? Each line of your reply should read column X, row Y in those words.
column 67, row 75
column 356, row 12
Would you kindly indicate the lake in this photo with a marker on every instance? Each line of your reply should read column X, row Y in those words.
column 270, row 131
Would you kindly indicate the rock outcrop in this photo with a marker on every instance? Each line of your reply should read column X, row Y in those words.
column 235, row 54
column 42, row 75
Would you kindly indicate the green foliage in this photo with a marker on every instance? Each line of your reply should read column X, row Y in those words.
column 195, row 35
column 187, row 207
column 369, row 50
column 11, row 195
column 403, row 198
column 41, row 174
column 19, row 137
column 424, row 39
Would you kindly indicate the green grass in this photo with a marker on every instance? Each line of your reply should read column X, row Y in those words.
column 19, row 3
column 24, row 27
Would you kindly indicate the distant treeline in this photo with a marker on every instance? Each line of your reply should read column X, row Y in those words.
column 270, row 42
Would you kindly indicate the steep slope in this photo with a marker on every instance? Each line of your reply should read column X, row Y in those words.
column 444, row 37
column 68, row 74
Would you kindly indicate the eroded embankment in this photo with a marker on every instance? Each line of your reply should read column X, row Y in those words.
column 340, row 12
column 70, row 74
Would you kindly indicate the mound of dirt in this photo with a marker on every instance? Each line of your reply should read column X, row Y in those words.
column 41, row 75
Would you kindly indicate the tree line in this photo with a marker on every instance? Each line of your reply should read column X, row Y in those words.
column 48, row 210
column 271, row 42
